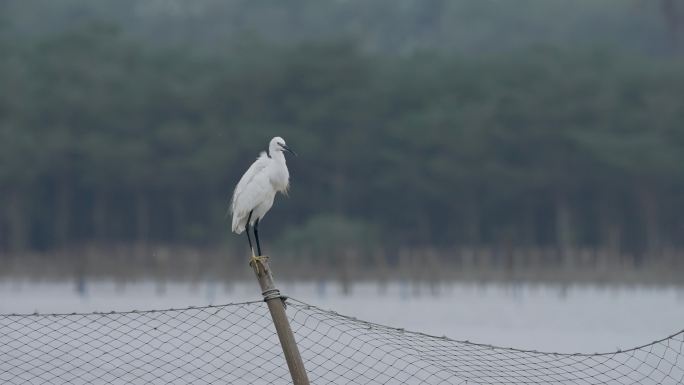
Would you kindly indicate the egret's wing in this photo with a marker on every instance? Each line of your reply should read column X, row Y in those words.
column 252, row 188
column 245, row 181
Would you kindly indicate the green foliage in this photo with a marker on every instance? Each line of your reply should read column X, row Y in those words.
column 328, row 235
column 122, row 140
column 386, row 26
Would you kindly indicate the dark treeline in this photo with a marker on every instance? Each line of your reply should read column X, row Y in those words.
column 105, row 139
column 385, row 26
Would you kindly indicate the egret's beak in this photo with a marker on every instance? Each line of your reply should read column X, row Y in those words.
column 288, row 149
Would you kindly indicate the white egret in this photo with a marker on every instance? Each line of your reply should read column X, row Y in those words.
column 255, row 191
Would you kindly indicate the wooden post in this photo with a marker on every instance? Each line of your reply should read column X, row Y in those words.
column 277, row 308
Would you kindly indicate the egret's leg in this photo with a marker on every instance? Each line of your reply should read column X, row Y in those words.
column 260, row 258
column 256, row 235
column 253, row 259
column 249, row 218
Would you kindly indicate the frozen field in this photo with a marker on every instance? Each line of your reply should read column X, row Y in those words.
column 542, row 317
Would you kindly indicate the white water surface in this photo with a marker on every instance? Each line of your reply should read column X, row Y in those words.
column 583, row 318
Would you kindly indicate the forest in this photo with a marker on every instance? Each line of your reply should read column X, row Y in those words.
column 121, row 125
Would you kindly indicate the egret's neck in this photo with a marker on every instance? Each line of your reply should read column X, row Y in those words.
column 278, row 156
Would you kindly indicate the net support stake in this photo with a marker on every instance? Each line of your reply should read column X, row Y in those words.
column 276, row 306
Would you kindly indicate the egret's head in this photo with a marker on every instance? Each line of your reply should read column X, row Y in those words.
column 278, row 144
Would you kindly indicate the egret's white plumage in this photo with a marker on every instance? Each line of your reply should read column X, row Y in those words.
column 258, row 186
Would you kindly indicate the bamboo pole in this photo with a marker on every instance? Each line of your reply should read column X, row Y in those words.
column 276, row 306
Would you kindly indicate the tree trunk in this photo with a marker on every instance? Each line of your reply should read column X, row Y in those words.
column 178, row 220
column 474, row 223
column 17, row 223
column 142, row 207
column 100, row 215
column 338, row 184
column 62, row 220
column 610, row 228
column 565, row 235
column 3, row 229
column 648, row 205
column 528, row 231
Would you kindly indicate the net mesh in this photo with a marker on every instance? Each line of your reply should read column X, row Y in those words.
column 236, row 344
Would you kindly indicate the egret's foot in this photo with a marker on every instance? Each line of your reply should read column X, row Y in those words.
column 254, row 259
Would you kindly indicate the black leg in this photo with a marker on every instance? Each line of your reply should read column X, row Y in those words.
column 256, row 235
column 249, row 218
